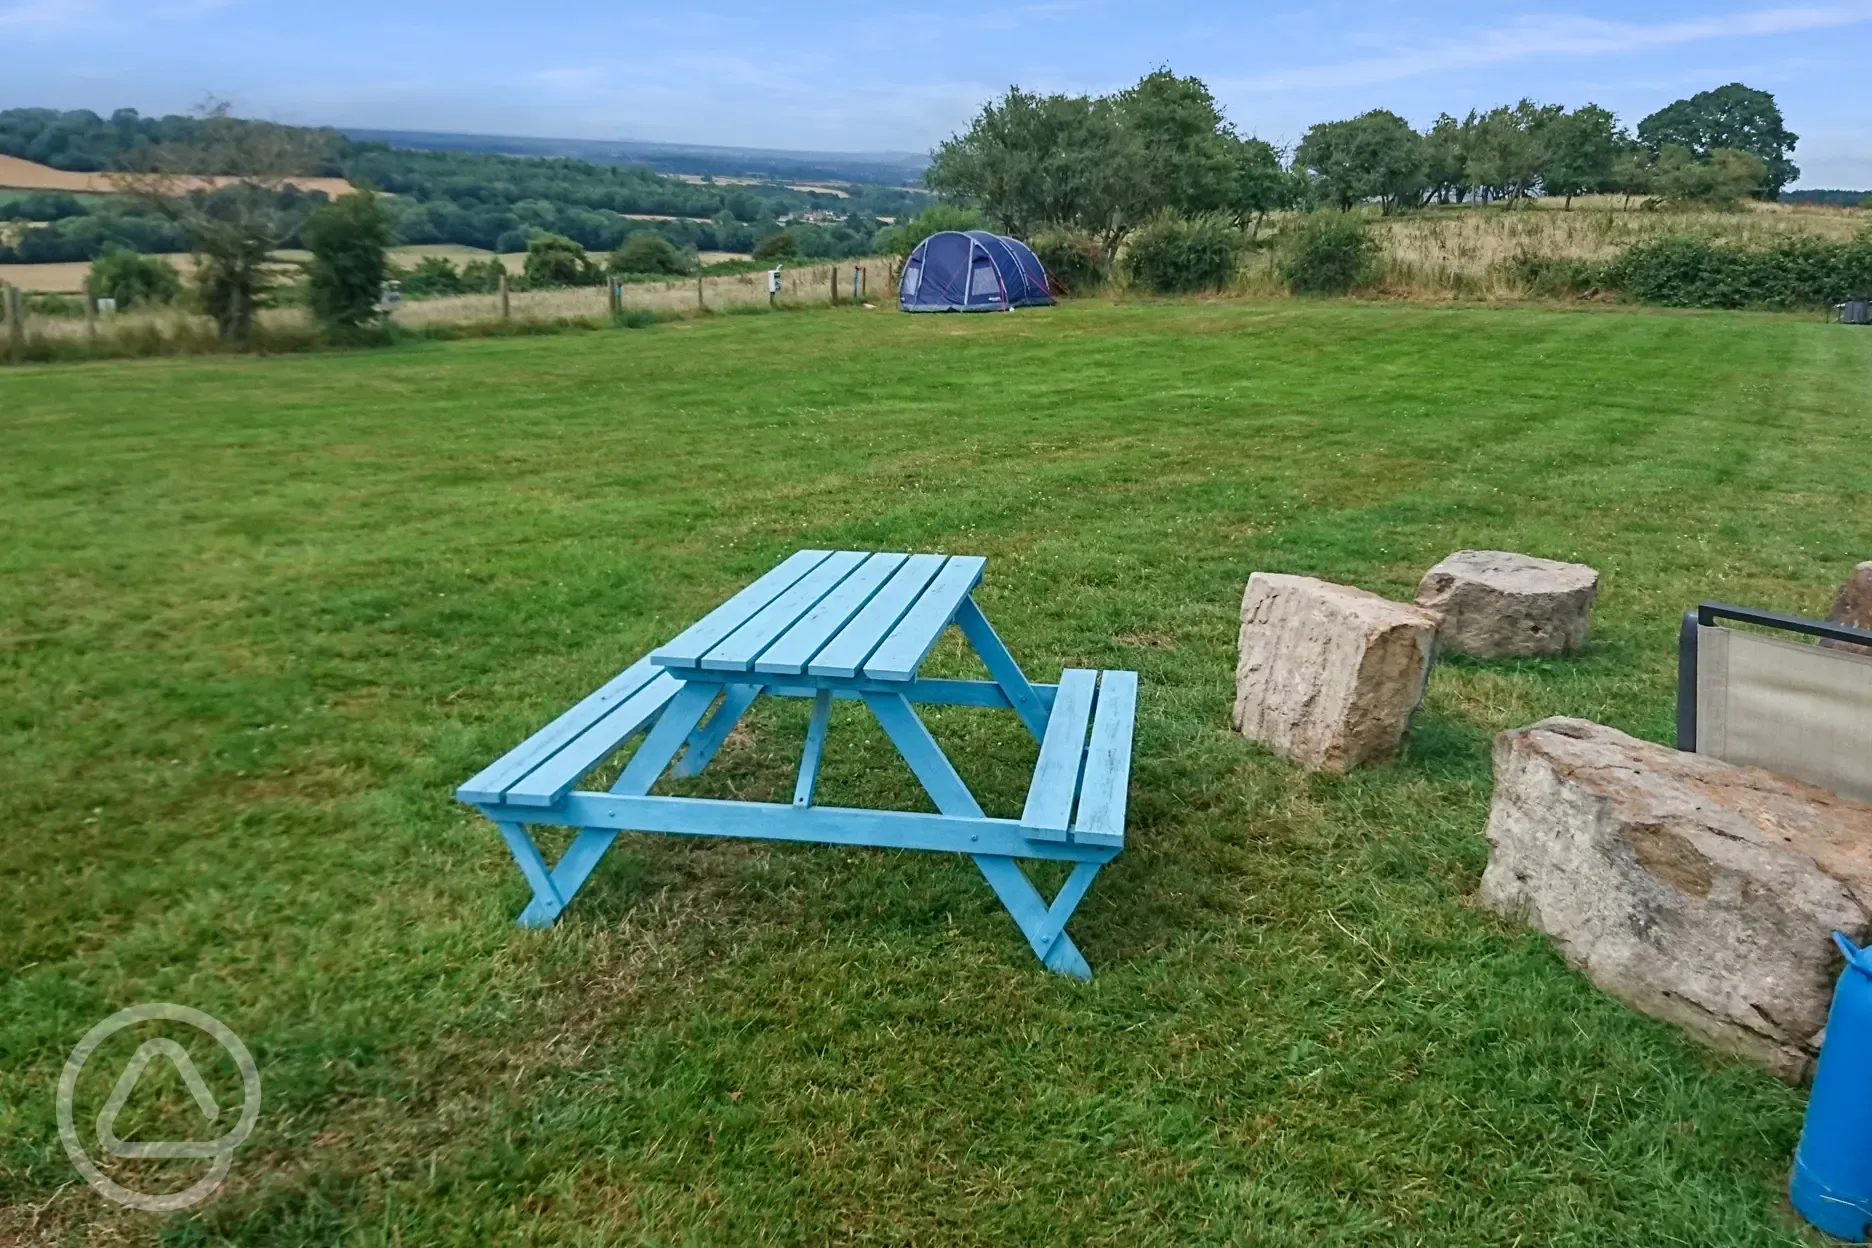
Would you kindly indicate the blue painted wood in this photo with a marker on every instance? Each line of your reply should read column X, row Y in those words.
column 846, row 653
column 898, row 655
column 552, row 779
column 1001, row 666
column 1102, row 793
column 830, row 825
column 815, row 747
column 688, row 647
column 569, row 875
column 797, row 646
column 1071, row 893
column 547, row 899
column 926, row 759
column 700, row 748
column 685, row 711
column 933, row 690
column 859, row 625
column 1048, row 813
column 500, row 775
column 737, row 652
column 1023, row 903
column 1011, row 885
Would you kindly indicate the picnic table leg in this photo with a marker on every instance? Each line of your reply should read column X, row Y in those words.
column 699, row 750
column 815, row 748
column 1044, row 929
column 547, row 903
column 581, row 857
column 1001, row 665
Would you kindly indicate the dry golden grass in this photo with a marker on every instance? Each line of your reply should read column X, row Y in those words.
column 26, row 175
column 52, row 279
column 806, row 284
column 1470, row 252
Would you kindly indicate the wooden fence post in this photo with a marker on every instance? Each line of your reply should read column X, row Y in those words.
column 835, row 285
column 90, row 315
column 698, row 289
column 505, row 310
column 16, row 317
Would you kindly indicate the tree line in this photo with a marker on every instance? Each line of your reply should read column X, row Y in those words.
column 496, row 202
column 1106, row 165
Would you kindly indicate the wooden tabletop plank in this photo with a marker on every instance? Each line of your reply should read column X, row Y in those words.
column 845, row 654
column 900, row 653
column 699, row 638
column 737, row 652
column 797, row 646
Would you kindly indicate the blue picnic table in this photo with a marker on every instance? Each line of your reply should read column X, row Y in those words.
column 822, row 625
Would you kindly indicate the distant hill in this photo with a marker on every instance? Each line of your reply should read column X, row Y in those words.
column 1850, row 199
column 882, row 168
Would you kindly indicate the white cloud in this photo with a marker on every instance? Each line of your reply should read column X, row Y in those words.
column 1551, row 36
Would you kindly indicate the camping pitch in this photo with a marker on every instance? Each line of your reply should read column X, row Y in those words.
column 971, row 272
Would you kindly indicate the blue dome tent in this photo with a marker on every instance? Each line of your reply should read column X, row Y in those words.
column 971, row 272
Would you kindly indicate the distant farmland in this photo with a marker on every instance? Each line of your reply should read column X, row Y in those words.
column 25, row 175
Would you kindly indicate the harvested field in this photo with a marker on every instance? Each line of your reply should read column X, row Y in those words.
column 27, row 175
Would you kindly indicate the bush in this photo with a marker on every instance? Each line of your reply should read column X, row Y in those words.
column 130, row 278
column 901, row 239
column 1554, row 275
column 1074, row 261
column 1722, row 181
column 781, row 246
column 1179, row 255
column 1793, row 273
column 347, row 238
column 555, row 260
column 1328, row 253
column 432, row 276
column 648, row 252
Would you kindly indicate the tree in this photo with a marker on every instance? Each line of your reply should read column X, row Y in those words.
column 1375, row 155
column 778, row 246
column 554, row 260
column 347, row 238
column 1634, row 172
column 648, row 252
column 1723, row 180
column 1032, row 161
column 130, row 278
column 1736, row 117
column 1261, row 185
column 1189, row 155
column 234, row 223
column 1507, row 148
column 1578, row 152
column 1446, row 159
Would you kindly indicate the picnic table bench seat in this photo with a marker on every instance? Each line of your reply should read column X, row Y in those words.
column 828, row 625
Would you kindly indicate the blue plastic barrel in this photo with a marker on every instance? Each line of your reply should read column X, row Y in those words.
column 1832, row 1181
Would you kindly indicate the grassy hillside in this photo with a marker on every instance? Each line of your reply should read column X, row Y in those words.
column 259, row 616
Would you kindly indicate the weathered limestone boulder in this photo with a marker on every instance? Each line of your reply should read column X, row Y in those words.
column 1853, row 606
column 1497, row 604
column 1692, row 889
column 1329, row 674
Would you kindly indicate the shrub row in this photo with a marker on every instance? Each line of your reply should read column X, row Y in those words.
column 1793, row 273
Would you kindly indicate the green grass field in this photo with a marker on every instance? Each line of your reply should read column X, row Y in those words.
column 258, row 617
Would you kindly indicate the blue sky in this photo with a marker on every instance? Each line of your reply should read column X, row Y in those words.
column 832, row 75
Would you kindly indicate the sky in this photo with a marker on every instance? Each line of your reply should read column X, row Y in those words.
column 838, row 76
